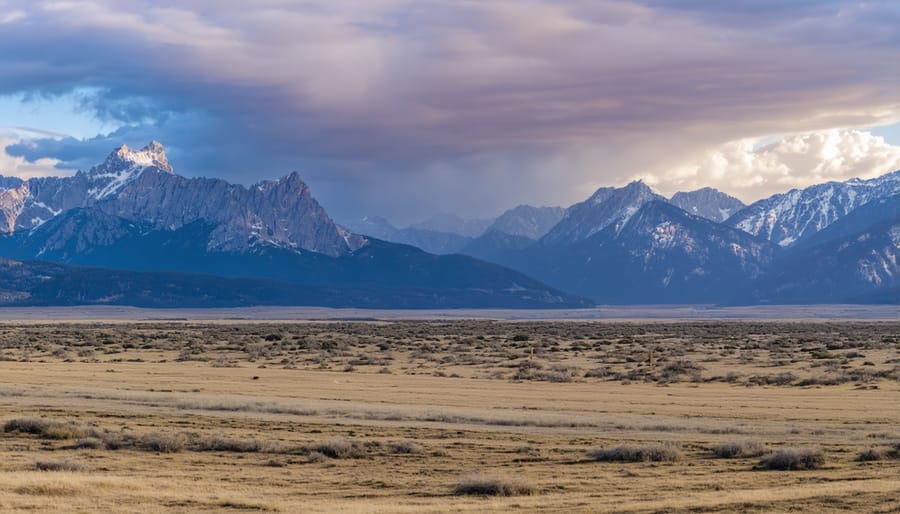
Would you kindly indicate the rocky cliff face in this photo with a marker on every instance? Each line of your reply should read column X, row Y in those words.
column 140, row 185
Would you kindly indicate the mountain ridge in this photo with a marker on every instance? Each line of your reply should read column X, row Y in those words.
column 787, row 218
column 134, row 215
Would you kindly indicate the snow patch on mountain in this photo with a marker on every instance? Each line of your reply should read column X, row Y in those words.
column 894, row 234
column 788, row 218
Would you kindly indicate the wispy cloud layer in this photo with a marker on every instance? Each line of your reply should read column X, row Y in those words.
column 540, row 100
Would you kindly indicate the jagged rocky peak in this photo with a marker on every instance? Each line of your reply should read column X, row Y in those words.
column 291, row 181
column 634, row 188
column 294, row 182
column 638, row 188
column 151, row 156
column 123, row 166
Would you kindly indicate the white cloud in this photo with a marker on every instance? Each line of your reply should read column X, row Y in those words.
column 11, row 166
column 751, row 169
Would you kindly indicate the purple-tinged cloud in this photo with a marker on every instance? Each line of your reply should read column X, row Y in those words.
column 402, row 107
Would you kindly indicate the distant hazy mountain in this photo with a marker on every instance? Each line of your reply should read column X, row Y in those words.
column 528, row 221
column 439, row 243
column 374, row 226
column 788, row 218
column 133, row 213
column 497, row 246
column 453, row 224
column 523, row 221
column 708, row 203
column 513, row 231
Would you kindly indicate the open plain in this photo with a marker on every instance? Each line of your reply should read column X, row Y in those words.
column 457, row 415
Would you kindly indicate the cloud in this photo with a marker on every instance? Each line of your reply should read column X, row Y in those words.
column 533, row 100
column 751, row 170
column 11, row 16
column 11, row 166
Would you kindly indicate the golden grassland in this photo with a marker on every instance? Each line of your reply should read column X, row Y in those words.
column 406, row 416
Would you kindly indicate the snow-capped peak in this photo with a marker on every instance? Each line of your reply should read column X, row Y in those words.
column 152, row 155
column 124, row 165
column 791, row 217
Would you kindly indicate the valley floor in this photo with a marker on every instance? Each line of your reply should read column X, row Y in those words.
column 389, row 417
column 114, row 313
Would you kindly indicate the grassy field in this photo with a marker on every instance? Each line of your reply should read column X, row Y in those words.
column 458, row 416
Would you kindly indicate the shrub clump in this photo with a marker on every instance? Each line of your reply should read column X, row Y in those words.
column 779, row 379
column 894, row 452
column 738, row 449
column 339, row 449
column 162, row 443
column 405, row 447
column 672, row 370
column 482, row 484
column 651, row 452
column 50, row 429
column 47, row 428
column 531, row 370
column 89, row 443
column 793, row 459
column 223, row 444
column 36, row 426
column 868, row 455
column 57, row 465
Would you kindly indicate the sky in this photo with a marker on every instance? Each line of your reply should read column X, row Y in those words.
column 407, row 108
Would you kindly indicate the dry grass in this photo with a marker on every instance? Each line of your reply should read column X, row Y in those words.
column 159, row 424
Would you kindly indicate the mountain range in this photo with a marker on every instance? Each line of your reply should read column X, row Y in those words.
column 132, row 231
column 831, row 242
column 446, row 234
column 134, row 215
